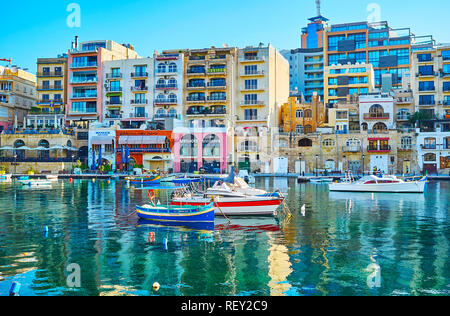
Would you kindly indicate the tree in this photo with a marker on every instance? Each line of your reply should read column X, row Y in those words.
column 419, row 117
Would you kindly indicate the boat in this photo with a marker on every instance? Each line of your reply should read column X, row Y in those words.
column 381, row 184
column 234, row 197
column 178, row 214
column 246, row 176
column 52, row 178
column 185, row 180
column 144, row 180
column 5, row 177
column 321, row 180
column 35, row 183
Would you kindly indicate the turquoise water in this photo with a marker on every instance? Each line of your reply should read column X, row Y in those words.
column 345, row 244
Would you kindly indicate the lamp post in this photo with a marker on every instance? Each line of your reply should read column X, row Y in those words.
column 317, row 172
column 343, row 163
column 300, row 158
column 363, row 156
column 73, row 157
column 15, row 163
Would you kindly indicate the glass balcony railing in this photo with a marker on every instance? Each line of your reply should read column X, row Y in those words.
column 84, row 65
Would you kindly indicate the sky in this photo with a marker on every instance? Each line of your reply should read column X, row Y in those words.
column 37, row 29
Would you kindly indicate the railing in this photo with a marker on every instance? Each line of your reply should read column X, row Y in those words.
column 139, row 88
column 403, row 117
column 50, row 87
column 252, row 102
column 119, row 102
column 351, row 149
column 165, row 72
column 113, row 76
column 138, row 115
column 139, row 101
column 217, row 70
column 252, row 118
column 84, row 96
column 84, row 65
column 427, row 103
column 382, row 116
column 50, row 74
column 164, row 116
column 206, row 112
column 147, row 150
column 253, row 58
column 165, row 101
column 217, row 85
column 428, row 146
column 426, row 74
column 80, row 81
column 113, row 116
column 253, row 73
column 37, row 159
column 166, row 86
column 139, row 74
column 195, row 99
column 38, row 132
column 113, row 89
column 59, row 102
column 193, row 86
column 216, row 98
column 379, row 149
column 196, row 72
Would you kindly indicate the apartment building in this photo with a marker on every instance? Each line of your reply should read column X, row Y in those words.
column 305, row 71
column 387, row 49
column 433, row 148
column 341, row 81
column 128, row 91
column 17, row 96
column 313, row 34
column 85, row 87
column 376, row 112
column 168, row 86
column 430, row 81
column 262, row 88
column 51, row 93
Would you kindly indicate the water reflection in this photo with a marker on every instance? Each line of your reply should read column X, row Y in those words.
column 329, row 251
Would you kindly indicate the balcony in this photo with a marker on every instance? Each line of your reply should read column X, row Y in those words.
column 112, row 103
column 195, row 86
column 426, row 74
column 77, row 80
column 166, row 86
column 205, row 111
column 48, row 102
column 427, row 103
column 217, row 71
column 84, row 65
column 352, row 149
column 444, row 74
column 83, row 96
column 251, row 88
column 252, row 103
column 405, row 148
column 113, row 116
column 250, row 59
column 252, row 118
column 138, row 115
column 217, row 98
column 403, row 117
column 195, row 99
column 166, row 102
column 139, row 74
column 50, row 74
column 139, row 101
column 377, row 116
column 35, row 159
column 428, row 146
column 170, row 72
column 49, row 88
column 114, row 76
column 218, row 86
column 113, row 89
column 136, row 89
column 148, row 150
column 401, row 100
column 250, row 73
column 196, row 72
column 165, row 116
column 379, row 149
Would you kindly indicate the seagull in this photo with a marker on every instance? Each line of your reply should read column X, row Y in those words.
column 303, row 209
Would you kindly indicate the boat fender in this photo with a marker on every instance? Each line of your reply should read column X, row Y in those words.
column 15, row 289
column 156, row 286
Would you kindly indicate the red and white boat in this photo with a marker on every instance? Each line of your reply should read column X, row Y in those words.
column 236, row 199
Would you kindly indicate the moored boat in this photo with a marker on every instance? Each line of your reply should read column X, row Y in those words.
column 144, row 180
column 5, row 177
column 35, row 183
column 179, row 214
column 321, row 180
column 383, row 184
column 52, row 178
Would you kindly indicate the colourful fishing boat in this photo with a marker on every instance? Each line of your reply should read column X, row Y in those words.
column 144, row 180
column 5, row 177
column 178, row 214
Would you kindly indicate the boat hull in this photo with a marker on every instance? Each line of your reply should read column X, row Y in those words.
column 35, row 183
column 5, row 178
column 204, row 214
column 236, row 206
column 145, row 181
column 407, row 187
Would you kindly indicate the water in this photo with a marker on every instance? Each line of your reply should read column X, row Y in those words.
column 346, row 244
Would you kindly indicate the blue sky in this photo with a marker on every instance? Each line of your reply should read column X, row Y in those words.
column 33, row 29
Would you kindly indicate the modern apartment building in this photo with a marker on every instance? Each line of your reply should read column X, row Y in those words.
column 305, row 71
column 387, row 49
column 17, row 96
column 313, row 34
column 128, row 91
column 341, row 81
column 85, row 87
column 51, row 92
column 430, row 81
column 262, row 88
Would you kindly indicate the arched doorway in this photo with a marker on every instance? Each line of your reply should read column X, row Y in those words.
column 17, row 145
column 188, row 153
column 211, row 153
column 44, row 149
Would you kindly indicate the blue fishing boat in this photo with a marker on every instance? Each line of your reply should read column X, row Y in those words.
column 186, row 180
column 179, row 214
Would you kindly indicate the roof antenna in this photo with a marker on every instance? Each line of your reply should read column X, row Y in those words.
column 318, row 8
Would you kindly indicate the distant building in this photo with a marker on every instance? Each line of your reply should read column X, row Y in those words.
column 301, row 118
column 17, row 96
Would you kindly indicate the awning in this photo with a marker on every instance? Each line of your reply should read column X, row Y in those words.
column 102, row 140
column 142, row 140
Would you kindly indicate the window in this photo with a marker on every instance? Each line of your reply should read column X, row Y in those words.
column 305, row 142
column 426, row 86
column 446, row 55
column 251, row 114
column 426, row 100
column 446, row 86
column 402, row 54
column 299, row 114
column 430, row 158
column 374, row 57
column 426, row 70
column 406, row 142
column 424, row 57
column 333, row 42
column 161, row 68
column 308, row 113
column 429, row 143
column 299, row 129
column 251, row 84
column 328, row 143
column 172, row 67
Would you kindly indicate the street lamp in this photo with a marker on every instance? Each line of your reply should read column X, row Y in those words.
column 73, row 157
column 343, row 163
column 363, row 156
column 300, row 158
column 317, row 172
column 15, row 163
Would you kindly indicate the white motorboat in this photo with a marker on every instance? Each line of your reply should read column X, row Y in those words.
column 35, row 183
column 385, row 183
column 321, row 180
column 5, row 178
column 52, row 178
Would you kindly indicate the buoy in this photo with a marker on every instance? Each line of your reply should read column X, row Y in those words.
column 93, row 180
column 109, row 181
column 70, row 180
column 15, row 289
column 165, row 242
column 156, row 286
